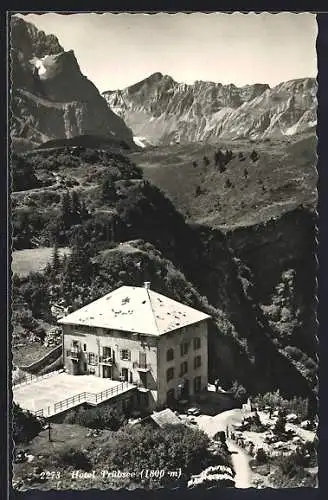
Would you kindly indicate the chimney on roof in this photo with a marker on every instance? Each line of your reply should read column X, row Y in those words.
column 147, row 285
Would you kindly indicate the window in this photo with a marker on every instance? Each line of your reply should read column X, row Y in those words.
column 92, row 358
column 124, row 375
column 183, row 368
column 196, row 343
column 85, row 367
column 169, row 355
column 197, row 362
column 184, row 348
column 125, row 355
column 107, row 352
column 169, row 374
column 170, row 396
column 197, row 384
column 84, row 347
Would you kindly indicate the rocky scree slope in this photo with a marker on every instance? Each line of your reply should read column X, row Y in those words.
column 161, row 110
column 51, row 99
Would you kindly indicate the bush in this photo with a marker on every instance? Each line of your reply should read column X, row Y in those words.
column 290, row 473
column 254, row 156
column 25, row 425
column 23, row 176
column 97, row 418
column 206, row 161
column 73, row 458
column 239, row 392
column 171, row 447
column 297, row 405
column 280, row 425
column 294, row 352
column 289, row 465
column 261, row 457
column 306, row 454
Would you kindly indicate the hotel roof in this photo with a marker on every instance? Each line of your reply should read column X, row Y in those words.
column 135, row 309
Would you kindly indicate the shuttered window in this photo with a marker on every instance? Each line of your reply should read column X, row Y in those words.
column 197, row 362
column 184, row 348
column 125, row 355
column 169, row 374
column 92, row 358
column 196, row 343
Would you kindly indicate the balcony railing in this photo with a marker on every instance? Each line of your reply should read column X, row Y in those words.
column 75, row 353
column 106, row 360
column 141, row 367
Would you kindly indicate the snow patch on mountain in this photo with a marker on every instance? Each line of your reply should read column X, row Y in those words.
column 57, row 101
column 140, row 141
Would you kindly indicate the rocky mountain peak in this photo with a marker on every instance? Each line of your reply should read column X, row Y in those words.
column 30, row 41
column 161, row 110
column 52, row 99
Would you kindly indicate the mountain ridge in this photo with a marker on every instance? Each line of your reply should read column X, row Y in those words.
column 162, row 111
column 51, row 98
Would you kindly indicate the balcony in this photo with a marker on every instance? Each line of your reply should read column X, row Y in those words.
column 140, row 387
column 106, row 360
column 141, row 367
column 75, row 354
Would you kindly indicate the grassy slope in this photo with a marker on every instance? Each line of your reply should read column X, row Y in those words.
column 33, row 259
column 285, row 169
column 64, row 436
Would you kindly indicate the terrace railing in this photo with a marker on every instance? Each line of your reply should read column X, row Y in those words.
column 29, row 378
column 83, row 397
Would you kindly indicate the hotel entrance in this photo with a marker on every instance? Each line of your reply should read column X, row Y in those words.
column 107, row 372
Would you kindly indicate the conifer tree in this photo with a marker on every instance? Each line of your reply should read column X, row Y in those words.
column 280, row 425
column 66, row 210
column 206, row 161
column 75, row 203
column 108, row 191
column 55, row 258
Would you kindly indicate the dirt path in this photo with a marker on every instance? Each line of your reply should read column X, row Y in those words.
column 212, row 425
column 240, row 463
column 240, row 459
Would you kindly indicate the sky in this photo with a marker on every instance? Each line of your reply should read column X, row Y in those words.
column 118, row 50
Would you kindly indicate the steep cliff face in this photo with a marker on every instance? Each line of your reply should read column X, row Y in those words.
column 262, row 278
column 160, row 110
column 251, row 253
column 51, row 98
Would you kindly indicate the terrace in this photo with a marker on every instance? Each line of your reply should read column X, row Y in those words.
column 59, row 392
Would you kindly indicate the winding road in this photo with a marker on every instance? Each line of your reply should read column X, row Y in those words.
column 240, row 459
